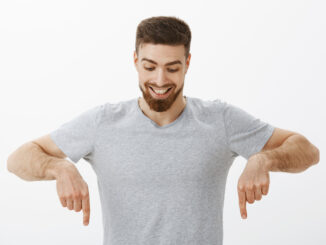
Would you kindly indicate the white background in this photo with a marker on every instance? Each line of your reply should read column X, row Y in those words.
column 60, row 58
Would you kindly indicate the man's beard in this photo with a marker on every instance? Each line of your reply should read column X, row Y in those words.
column 160, row 105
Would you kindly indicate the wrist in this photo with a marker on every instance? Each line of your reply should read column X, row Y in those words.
column 56, row 166
column 265, row 160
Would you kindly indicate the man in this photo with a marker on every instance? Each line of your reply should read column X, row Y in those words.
column 162, row 159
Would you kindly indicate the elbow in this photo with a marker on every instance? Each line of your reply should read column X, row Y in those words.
column 315, row 155
column 10, row 161
column 311, row 152
column 14, row 159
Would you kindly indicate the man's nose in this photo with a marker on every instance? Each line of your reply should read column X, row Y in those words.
column 160, row 78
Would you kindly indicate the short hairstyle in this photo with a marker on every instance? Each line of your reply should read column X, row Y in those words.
column 168, row 30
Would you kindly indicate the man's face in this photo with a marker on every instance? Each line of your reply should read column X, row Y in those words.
column 161, row 71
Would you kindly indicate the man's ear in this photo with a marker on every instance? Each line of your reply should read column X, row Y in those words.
column 188, row 59
column 135, row 59
column 188, row 62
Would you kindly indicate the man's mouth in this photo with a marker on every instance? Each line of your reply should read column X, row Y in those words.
column 160, row 93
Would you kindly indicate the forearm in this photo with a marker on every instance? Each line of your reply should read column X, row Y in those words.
column 31, row 163
column 295, row 155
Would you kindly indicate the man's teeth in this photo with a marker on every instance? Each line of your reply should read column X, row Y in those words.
column 160, row 91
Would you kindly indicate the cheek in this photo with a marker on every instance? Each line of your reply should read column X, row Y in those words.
column 142, row 79
column 144, row 75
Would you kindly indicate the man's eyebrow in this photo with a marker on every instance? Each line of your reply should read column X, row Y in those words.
column 167, row 64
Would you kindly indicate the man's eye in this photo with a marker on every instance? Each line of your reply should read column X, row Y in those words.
column 152, row 68
column 149, row 69
column 173, row 70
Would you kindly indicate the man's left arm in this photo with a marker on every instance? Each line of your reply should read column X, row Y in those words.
column 284, row 151
column 287, row 151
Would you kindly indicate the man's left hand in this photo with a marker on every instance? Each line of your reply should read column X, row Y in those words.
column 253, row 182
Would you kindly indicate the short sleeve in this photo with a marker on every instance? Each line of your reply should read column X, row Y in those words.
column 246, row 134
column 76, row 137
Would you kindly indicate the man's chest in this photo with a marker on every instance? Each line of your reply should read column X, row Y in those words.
column 147, row 157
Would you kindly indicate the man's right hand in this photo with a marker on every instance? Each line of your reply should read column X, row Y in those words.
column 73, row 191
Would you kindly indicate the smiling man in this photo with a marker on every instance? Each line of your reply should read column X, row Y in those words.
column 162, row 159
column 161, row 83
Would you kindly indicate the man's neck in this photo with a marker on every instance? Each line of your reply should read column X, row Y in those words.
column 166, row 117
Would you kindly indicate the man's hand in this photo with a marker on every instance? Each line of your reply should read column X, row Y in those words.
column 253, row 182
column 73, row 191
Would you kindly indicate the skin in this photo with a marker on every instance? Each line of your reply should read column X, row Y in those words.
column 161, row 111
column 285, row 151
column 253, row 183
column 42, row 159
column 73, row 191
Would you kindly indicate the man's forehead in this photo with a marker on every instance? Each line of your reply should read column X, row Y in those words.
column 157, row 46
column 177, row 61
column 161, row 53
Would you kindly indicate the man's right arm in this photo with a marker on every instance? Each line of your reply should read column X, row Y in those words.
column 42, row 159
column 39, row 159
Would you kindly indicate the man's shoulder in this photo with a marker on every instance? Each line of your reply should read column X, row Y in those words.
column 114, row 109
column 215, row 105
column 116, row 106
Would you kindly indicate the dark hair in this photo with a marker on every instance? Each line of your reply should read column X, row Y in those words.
column 163, row 30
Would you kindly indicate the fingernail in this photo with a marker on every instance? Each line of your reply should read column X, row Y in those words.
column 244, row 216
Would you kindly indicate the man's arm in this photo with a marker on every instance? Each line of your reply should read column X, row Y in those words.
column 287, row 151
column 40, row 159
column 284, row 151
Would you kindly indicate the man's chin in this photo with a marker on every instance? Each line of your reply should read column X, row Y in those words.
column 159, row 105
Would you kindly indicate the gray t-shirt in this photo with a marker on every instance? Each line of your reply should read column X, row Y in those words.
column 162, row 185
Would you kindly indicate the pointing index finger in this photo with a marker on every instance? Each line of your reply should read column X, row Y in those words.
column 86, row 210
column 242, row 204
